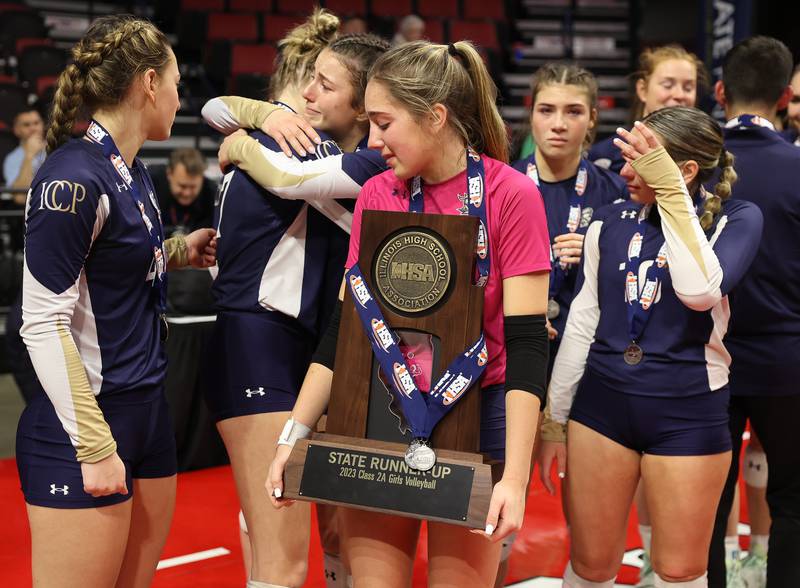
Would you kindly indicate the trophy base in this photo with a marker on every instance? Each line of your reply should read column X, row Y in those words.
column 373, row 475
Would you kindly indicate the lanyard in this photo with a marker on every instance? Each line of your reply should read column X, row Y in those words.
column 97, row 134
column 476, row 206
column 640, row 305
column 560, row 270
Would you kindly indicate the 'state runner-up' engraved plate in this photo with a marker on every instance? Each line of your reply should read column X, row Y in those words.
column 386, row 482
column 412, row 270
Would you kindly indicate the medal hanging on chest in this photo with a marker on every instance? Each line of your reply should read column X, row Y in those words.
column 423, row 411
column 155, row 232
column 559, row 270
column 639, row 302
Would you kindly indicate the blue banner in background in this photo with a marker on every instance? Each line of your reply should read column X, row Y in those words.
column 722, row 25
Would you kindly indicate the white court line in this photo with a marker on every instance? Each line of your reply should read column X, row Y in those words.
column 543, row 582
column 191, row 558
column 632, row 558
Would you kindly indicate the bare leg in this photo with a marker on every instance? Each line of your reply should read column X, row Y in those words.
column 683, row 493
column 380, row 548
column 151, row 515
column 474, row 563
column 733, row 518
column 602, row 476
column 75, row 548
column 278, row 538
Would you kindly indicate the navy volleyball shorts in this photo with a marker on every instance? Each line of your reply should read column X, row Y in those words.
column 658, row 425
column 493, row 421
column 51, row 475
column 257, row 363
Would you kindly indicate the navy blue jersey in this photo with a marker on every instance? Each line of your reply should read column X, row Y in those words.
column 689, row 311
column 764, row 336
column 791, row 135
column 274, row 244
column 602, row 188
column 89, row 311
column 606, row 155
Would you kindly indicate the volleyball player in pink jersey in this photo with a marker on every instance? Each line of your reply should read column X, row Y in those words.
column 433, row 117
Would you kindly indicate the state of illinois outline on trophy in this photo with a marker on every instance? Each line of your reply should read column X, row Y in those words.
column 419, row 270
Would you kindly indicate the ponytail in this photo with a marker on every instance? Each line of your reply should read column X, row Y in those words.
column 491, row 128
column 419, row 75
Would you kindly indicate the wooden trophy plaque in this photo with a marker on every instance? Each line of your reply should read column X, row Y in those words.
column 420, row 269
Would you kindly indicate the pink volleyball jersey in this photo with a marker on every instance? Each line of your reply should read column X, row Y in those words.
column 518, row 238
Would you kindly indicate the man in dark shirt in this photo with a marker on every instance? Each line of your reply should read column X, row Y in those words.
column 185, row 195
column 764, row 331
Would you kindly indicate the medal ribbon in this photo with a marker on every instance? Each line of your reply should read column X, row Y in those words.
column 639, row 305
column 559, row 270
column 97, row 134
column 422, row 411
column 476, row 206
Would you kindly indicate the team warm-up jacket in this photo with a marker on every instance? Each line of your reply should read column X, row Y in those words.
column 682, row 342
column 764, row 336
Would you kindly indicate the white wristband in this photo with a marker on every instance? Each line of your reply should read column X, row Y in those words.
column 292, row 431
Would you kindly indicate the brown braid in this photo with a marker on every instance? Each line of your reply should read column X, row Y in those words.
column 722, row 190
column 105, row 61
column 358, row 52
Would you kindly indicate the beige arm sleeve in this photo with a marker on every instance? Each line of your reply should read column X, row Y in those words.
column 229, row 113
column 693, row 265
column 177, row 254
column 551, row 430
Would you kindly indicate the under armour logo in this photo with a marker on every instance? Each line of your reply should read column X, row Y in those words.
column 631, row 214
column 121, row 187
column 754, row 466
column 54, row 489
column 259, row 391
column 330, row 575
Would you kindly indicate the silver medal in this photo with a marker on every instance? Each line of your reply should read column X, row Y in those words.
column 419, row 456
column 633, row 354
column 553, row 309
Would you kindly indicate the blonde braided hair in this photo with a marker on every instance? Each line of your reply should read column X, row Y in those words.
column 690, row 134
column 105, row 62
column 299, row 49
